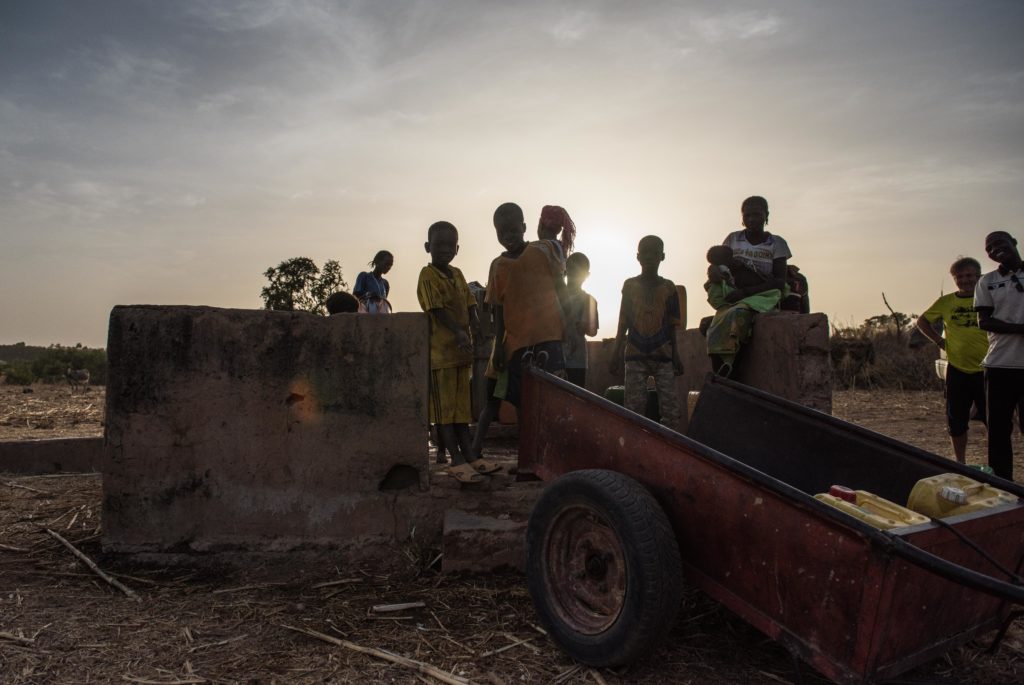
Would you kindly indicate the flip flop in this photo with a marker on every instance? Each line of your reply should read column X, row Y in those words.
column 464, row 473
column 483, row 466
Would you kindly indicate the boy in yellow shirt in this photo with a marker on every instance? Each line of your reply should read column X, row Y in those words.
column 965, row 345
column 444, row 294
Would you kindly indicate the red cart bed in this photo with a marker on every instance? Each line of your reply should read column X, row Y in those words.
column 858, row 603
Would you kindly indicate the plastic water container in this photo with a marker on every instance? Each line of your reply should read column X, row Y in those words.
column 950, row 494
column 870, row 508
column 691, row 402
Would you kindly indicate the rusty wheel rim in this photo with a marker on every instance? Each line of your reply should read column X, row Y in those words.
column 586, row 570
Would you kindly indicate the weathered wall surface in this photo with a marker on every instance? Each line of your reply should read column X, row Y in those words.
column 252, row 429
column 788, row 356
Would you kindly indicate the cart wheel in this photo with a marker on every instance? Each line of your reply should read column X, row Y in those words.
column 603, row 566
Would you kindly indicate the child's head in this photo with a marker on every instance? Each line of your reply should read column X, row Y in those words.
column 342, row 303
column 382, row 261
column 650, row 253
column 555, row 220
column 755, row 213
column 577, row 267
column 965, row 272
column 510, row 226
column 720, row 255
column 442, row 243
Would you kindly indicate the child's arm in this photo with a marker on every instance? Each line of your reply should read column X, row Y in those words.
column 776, row 282
column 591, row 317
column 677, row 363
column 499, row 337
column 446, row 319
column 615, row 363
column 474, row 324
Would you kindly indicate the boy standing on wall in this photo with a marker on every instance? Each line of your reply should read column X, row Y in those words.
column 646, row 338
column 444, row 294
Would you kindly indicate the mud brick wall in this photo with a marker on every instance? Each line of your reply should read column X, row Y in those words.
column 260, row 430
column 788, row 356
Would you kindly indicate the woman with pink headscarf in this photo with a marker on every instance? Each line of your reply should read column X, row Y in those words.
column 531, row 302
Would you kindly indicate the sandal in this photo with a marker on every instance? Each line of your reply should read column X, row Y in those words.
column 483, row 466
column 464, row 473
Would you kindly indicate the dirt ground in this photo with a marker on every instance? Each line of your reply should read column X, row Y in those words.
column 199, row 623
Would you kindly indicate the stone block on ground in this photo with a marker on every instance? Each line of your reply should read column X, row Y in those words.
column 479, row 544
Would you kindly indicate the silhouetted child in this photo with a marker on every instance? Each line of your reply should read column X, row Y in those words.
column 444, row 294
column 733, row 271
column 342, row 302
column 372, row 288
column 646, row 337
column 533, row 324
column 509, row 227
column 580, row 318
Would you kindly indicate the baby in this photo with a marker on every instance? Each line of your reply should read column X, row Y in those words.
column 729, row 269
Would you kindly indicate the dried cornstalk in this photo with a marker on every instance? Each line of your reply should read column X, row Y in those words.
column 417, row 666
column 93, row 567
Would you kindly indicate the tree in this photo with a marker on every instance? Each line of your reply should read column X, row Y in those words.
column 297, row 284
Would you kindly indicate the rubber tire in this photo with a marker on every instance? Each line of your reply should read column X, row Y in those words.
column 653, row 580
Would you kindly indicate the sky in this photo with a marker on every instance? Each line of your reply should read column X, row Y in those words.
column 158, row 152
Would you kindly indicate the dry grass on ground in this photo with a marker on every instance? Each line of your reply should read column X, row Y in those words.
column 198, row 623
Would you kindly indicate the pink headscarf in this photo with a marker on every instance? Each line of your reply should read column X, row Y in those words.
column 557, row 219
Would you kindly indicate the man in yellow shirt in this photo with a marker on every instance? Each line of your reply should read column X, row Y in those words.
column 965, row 345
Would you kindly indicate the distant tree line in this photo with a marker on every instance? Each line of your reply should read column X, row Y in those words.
column 23, row 364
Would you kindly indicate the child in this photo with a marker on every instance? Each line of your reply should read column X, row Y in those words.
column 646, row 337
column 733, row 271
column 342, row 302
column 580, row 318
column 532, row 303
column 371, row 287
column 965, row 345
column 510, row 228
column 444, row 294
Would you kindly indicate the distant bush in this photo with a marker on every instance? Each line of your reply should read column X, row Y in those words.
column 17, row 373
column 49, row 365
column 878, row 354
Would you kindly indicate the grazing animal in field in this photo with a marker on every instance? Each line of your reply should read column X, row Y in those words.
column 78, row 378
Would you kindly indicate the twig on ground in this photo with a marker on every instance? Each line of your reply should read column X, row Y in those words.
column 12, row 548
column 184, row 681
column 258, row 586
column 418, row 666
column 28, row 641
column 94, row 568
column 343, row 581
column 216, row 644
column 499, row 650
column 12, row 484
column 597, row 677
column 386, row 608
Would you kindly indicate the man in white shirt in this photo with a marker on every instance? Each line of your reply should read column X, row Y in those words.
column 999, row 300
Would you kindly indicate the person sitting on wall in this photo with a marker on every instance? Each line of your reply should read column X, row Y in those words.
column 766, row 255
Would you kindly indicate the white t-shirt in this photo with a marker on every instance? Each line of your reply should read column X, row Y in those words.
column 999, row 291
column 758, row 257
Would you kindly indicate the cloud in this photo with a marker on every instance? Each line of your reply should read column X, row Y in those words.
column 571, row 27
column 736, row 26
